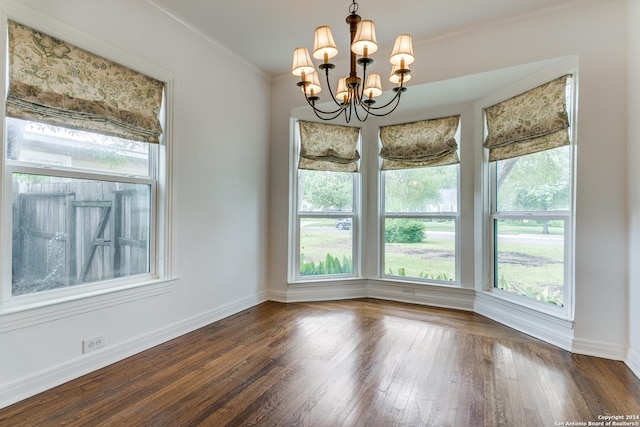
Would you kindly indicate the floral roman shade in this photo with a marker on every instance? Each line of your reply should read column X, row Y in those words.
column 330, row 148
column 533, row 121
column 53, row 82
column 420, row 144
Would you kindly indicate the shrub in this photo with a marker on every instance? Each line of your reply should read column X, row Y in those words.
column 422, row 275
column 543, row 293
column 331, row 265
column 403, row 231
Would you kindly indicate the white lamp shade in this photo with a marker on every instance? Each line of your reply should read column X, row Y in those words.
column 312, row 88
column 323, row 43
column 342, row 94
column 402, row 54
column 365, row 39
column 373, row 86
column 395, row 78
column 301, row 62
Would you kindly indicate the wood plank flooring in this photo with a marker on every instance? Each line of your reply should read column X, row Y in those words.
column 343, row 363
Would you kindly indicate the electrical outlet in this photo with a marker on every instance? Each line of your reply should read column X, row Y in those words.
column 407, row 291
column 92, row 344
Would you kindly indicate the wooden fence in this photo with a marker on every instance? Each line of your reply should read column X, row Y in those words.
column 78, row 231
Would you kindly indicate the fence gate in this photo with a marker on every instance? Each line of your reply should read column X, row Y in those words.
column 92, row 236
column 131, row 229
column 61, row 238
column 43, row 249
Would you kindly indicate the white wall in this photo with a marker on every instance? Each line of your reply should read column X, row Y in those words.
column 633, row 357
column 596, row 32
column 220, row 176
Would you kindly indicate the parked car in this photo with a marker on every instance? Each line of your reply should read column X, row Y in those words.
column 343, row 224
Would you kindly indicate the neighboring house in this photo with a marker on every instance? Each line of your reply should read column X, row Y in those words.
column 448, row 201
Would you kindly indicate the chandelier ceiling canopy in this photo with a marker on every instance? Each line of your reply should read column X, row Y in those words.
column 351, row 96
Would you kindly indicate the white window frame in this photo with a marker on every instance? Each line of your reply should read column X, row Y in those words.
column 295, row 216
column 568, row 216
column 383, row 216
column 34, row 308
column 8, row 300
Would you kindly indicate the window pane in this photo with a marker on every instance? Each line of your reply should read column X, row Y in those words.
column 326, row 246
column 420, row 248
column 70, row 231
column 530, row 258
column 536, row 182
column 55, row 146
column 433, row 189
column 321, row 191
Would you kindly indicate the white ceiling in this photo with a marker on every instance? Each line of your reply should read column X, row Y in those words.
column 266, row 32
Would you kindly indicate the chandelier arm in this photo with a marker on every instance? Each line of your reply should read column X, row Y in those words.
column 311, row 103
column 318, row 112
column 397, row 98
column 358, row 103
column 357, row 96
column 398, row 91
column 326, row 115
column 364, row 81
column 348, row 111
column 362, row 119
column 326, row 72
column 364, row 108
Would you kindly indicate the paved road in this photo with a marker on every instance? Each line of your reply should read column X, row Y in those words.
column 530, row 239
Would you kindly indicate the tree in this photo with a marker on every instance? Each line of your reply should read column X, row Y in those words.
column 326, row 190
column 537, row 182
column 409, row 190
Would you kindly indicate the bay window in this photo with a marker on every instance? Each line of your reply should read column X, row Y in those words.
column 531, row 155
column 326, row 206
column 419, row 195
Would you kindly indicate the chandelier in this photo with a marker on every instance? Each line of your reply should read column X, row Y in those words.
column 351, row 96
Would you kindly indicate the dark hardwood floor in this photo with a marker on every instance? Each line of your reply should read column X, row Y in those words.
column 343, row 363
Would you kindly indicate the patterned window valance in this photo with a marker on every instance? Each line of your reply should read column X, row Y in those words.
column 420, row 144
column 54, row 82
column 326, row 147
column 533, row 121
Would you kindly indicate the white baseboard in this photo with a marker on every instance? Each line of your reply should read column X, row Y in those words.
column 633, row 361
column 277, row 296
column 602, row 349
column 545, row 327
column 436, row 296
column 318, row 291
column 75, row 368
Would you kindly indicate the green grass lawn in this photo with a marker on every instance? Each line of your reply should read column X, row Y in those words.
column 320, row 237
column 535, row 270
column 431, row 259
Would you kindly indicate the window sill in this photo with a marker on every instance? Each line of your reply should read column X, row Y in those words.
column 415, row 282
column 552, row 326
column 377, row 280
column 28, row 315
column 525, row 303
column 327, row 281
